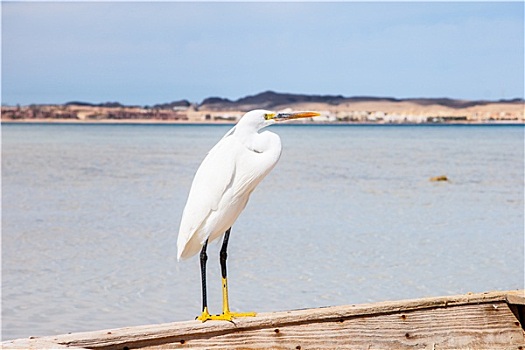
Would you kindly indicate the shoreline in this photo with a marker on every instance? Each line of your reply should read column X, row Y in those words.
column 113, row 121
column 225, row 122
column 355, row 112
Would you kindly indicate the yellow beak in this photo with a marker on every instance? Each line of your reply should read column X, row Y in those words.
column 295, row 115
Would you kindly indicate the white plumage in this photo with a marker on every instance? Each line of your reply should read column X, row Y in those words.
column 225, row 179
column 221, row 189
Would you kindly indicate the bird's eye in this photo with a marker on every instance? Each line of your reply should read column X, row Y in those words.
column 268, row 116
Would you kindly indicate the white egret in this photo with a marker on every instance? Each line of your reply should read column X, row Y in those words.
column 220, row 190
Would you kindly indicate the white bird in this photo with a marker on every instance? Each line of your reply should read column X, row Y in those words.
column 221, row 189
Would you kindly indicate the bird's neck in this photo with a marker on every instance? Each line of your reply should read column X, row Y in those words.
column 262, row 142
column 247, row 136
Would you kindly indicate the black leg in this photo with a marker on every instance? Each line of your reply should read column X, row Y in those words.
column 226, row 313
column 224, row 254
column 204, row 258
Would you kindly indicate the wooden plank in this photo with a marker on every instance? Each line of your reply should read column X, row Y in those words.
column 517, row 297
column 35, row 344
column 193, row 329
column 464, row 321
column 466, row 327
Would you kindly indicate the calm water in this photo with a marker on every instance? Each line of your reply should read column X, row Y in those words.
column 91, row 212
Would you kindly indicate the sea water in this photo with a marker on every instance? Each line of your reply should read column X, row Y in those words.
column 90, row 215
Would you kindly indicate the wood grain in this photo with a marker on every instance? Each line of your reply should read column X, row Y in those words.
column 471, row 321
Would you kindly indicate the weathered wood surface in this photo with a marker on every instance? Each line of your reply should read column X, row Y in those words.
column 471, row 321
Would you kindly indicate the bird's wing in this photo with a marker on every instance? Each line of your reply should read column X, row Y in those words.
column 213, row 177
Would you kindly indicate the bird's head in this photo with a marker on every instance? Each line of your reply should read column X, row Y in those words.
column 260, row 118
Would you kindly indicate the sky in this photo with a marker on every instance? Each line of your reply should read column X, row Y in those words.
column 144, row 53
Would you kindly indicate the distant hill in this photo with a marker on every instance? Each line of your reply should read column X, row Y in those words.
column 271, row 99
column 87, row 104
column 174, row 104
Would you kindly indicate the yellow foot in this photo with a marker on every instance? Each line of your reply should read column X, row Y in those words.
column 227, row 316
column 205, row 316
